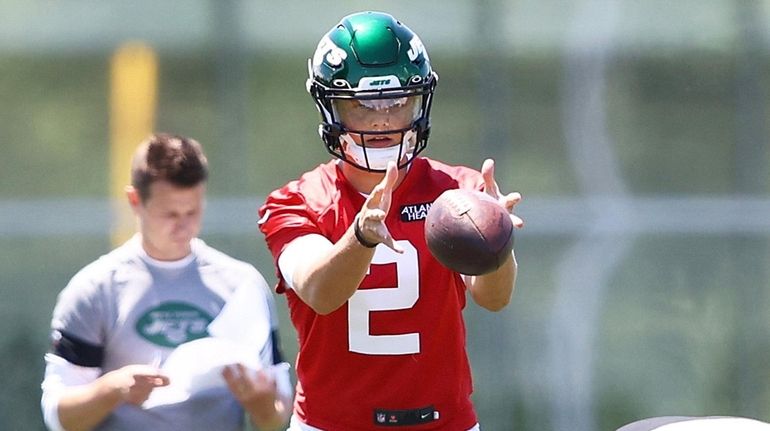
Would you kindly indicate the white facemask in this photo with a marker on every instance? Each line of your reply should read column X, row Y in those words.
column 378, row 157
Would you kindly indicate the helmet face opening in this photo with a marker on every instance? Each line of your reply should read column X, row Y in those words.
column 377, row 115
column 373, row 85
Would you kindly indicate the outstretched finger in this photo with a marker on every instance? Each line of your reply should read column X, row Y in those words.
column 381, row 193
column 509, row 202
column 488, row 174
column 149, row 375
column 388, row 183
column 154, row 380
column 390, row 242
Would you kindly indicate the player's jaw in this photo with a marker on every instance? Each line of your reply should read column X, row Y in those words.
column 170, row 219
column 170, row 239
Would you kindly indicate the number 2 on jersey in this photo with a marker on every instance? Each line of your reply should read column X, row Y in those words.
column 401, row 297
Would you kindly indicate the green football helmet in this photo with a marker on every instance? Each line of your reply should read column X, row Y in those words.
column 372, row 63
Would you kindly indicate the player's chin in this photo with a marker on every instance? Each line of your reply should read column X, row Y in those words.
column 180, row 243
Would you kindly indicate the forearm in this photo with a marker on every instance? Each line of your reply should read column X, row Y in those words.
column 81, row 408
column 493, row 291
column 329, row 280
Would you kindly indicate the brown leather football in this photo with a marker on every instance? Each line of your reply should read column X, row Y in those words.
column 468, row 231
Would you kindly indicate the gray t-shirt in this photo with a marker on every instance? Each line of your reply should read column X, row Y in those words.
column 126, row 308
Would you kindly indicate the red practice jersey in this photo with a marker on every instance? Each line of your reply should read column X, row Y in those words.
column 398, row 344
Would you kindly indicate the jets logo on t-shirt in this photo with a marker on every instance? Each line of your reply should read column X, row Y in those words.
column 173, row 323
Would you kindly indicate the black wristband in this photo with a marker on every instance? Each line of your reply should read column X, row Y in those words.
column 360, row 236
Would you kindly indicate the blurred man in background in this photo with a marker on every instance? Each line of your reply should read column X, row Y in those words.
column 121, row 316
column 379, row 320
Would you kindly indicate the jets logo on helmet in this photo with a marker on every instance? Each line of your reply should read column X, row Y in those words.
column 377, row 82
column 329, row 52
column 368, row 67
column 417, row 49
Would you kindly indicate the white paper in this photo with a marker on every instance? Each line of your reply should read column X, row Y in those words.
column 197, row 366
column 238, row 334
column 244, row 318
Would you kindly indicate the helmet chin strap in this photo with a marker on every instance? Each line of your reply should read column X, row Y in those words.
column 378, row 158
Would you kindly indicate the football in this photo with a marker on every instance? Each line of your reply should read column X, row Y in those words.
column 468, row 231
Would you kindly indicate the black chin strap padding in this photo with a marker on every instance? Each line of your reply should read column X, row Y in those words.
column 331, row 136
column 423, row 128
column 333, row 130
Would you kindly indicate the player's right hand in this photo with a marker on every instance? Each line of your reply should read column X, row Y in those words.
column 134, row 383
column 371, row 218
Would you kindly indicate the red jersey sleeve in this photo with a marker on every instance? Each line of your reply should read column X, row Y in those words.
column 283, row 217
column 294, row 210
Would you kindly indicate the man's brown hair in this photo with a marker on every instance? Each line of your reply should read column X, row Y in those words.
column 166, row 157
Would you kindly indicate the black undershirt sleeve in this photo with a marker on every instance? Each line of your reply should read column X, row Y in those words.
column 76, row 350
column 277, row 353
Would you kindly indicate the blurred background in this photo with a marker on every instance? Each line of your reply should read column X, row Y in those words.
column 636, row 131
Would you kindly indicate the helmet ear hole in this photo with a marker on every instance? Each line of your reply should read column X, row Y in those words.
column 416, row 79
column 340, row 83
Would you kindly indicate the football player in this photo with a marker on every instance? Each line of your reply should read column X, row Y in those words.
column 379, row 320
column 120, row 317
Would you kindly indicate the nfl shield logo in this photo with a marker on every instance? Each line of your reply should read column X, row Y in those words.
column 381, row 418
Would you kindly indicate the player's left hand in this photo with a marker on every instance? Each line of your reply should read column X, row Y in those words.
column 491, row 188
column 255, row 391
